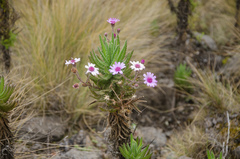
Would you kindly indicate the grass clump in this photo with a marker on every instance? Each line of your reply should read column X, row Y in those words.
column 190, row 142
column 213, row 93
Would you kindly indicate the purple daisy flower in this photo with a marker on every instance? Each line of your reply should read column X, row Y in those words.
column 117, row 68
column 150, row 79
column 72, row 61
column 113, row 20
column 92, row 69
column 137, row 66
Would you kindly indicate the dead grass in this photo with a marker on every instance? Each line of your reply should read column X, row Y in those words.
column 213, row 93
column 191, row 142
column 215, row 18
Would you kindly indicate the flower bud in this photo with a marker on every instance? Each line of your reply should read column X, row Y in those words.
column 84, row 85
column 76, row 85
column 74, row 70
column 114, row 35
column 136, row 85
column 106, row 34
column 118, row 30
column 142, row 61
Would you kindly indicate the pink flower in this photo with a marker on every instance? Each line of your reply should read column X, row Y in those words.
column 150, row 79
column 72, row 61
column 117, row 68
column 113, row 20
column 76, row 85
column 114, row 35
column 137, row 66
column 142, row 61
column 92, row 69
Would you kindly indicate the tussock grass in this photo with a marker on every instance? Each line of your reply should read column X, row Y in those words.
column 215, row 18
column 213, row 93
column 190, row 142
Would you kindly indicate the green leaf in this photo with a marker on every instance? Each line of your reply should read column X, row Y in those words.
column 118, row 41
column 143, row 153
column 127, row 71
column 113, row 38
column 103, row 56
column 97, row 60
column 7, row 107
column 122, row 52
column 128, row 58
column 140, row 145
column 105, row 77
column 104, row 110
column 102, row 45
column 220, row 156
column 5, row 99
column 110, row 52
column 123, row 151
column 2, row 84
column 148, row 156
column 116, row 50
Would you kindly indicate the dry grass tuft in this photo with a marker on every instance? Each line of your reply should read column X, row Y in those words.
column 213, row 93
column 191, row 142
column 215, row 18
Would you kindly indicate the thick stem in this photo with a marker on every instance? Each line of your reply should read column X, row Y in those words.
column 237, row 13
column 183, row 11
column 120, row 131
column 4, row 31
column 5, row 140
column 172, row 7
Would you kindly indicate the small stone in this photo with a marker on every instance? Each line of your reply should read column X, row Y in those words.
column 88, row 142
column 154, row 135
column 43, row 128
column 74, row 153
column 206, row 40
column 184, row 157
column 208, row 123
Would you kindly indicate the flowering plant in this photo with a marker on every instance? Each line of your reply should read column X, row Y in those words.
column 112, row 78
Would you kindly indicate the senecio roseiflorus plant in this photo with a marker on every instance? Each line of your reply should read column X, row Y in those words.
column 6, row 105
column 112, row 78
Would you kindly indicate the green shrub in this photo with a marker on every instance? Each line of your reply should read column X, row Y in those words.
column 181, row 76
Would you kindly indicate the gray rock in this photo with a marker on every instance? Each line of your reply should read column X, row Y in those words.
column 206, row 40
column 236, row 152
column 76, row 154
column 170, row 155
column 184, row 157
column 154, row 135
column 48, row 128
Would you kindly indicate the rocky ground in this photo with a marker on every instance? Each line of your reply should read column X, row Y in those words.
column 169, row 110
